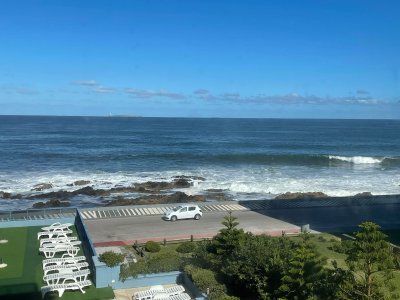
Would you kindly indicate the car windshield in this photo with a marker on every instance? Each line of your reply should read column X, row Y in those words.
column 177, row 208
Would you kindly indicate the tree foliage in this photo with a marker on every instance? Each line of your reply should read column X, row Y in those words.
column 304, row 271
column 228, row 238
column 370, row 258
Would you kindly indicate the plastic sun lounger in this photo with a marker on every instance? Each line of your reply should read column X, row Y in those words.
column 54, row 234
column 61, row 288
column 175, row 290
column 182, row 296
column 63, row 261
column 160, row 293
column 58, row 240
column 54, row 245
column 69, row 250
column 66, row 275
column 56, row 226
column 58, row 269
column 146, row 295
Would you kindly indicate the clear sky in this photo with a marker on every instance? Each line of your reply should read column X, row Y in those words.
column 205, row 58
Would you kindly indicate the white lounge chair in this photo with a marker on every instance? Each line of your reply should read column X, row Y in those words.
column 174, row 290
column 61, row 288
column 57, row 225
column 160, row 293
column 67, row 250
column 54, row 233
column 70, row 243
column 182, row 296
column 66, row 275
column 58, row 240
column 146, row 295
column 59, row 269
column 63, row 261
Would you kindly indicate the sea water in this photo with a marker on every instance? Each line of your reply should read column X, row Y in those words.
column 247, row 159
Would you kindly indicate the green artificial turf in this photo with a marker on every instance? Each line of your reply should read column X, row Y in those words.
column 13, row 252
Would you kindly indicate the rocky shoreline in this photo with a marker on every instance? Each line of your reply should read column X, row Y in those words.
column 150, row 192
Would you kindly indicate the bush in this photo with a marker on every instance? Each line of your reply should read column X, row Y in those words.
column 155, row 263
column 203, row 279
column 112, row 259
column 186, row 247
column 164, row 262
column 152, row 247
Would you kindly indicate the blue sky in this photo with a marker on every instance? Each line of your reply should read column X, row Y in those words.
column 265, row 59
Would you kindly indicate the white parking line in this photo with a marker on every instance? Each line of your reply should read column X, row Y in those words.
column 122, row 212
column 133, row 211
column 85, row 216
column 141, row 211
column 128, row 212
column 92, row 214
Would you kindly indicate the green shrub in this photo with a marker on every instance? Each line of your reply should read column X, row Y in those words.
column 205, row 279
column 186, row 247
column 155, row 263
column 112, row 259
column 164, row 262
column 152, row 247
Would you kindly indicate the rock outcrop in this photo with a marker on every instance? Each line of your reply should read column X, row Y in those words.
column 177, row 197
column 308, row 195
column 41, row 186
column 51, row 203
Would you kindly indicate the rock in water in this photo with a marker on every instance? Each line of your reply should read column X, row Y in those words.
column 51, row 203
column 81, row 182
column 41, row 186
column 308, row 195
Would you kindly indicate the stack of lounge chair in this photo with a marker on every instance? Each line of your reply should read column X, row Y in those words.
column 159, row 293
column 68, row 272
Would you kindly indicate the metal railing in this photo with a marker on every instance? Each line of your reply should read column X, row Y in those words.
column 37, row 214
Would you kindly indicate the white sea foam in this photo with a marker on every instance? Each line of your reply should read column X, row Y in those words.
column 358, row 159
column 253, row 182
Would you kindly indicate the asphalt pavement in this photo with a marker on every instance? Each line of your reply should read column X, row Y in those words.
column 127, row 230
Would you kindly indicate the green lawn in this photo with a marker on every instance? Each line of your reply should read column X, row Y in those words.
column 13, row 252
column 22, row 278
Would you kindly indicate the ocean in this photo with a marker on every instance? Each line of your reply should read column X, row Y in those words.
column 247, row 159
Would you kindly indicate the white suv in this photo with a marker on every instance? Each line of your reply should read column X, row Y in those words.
column 189, row 211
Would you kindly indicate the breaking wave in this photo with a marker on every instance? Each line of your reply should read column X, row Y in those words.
column 358, row 159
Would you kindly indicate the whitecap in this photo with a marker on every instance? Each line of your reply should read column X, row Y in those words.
column 357, row 159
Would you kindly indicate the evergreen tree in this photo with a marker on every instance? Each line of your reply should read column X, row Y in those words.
column 305, row 270
column 371, row 260
column 228, row 238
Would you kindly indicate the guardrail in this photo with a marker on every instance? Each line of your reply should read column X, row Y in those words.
column 37, row 214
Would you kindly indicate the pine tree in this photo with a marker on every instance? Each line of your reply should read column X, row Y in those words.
column 305, row 269
column 228, row 238
column 371, row 260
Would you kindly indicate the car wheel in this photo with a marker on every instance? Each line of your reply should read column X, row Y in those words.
column 197, row 217
column 173, row 218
